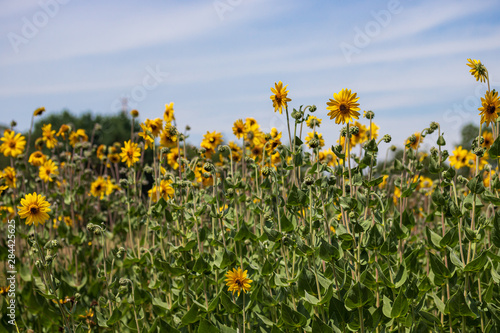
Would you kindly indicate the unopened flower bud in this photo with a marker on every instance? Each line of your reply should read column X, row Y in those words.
column 369, row 114
column 209, row 167
column 387, row 138
column 308, row 180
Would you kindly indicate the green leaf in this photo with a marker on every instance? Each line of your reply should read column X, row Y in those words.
column 401, row 276
column 438, row 267
column 201, row 266
column 328, row 252
column 244, row 233
column 117, row 315
column 213, row 303
column 191, row 316
column 400, row 306
column 286, row 224
column 457, row 306
column 494, row 151
column 455, row 260
column 292, row 317
column 477, row 264
column 228, row 304
column 319, row 326
column 207, row 327
column 224, row 258
column 358, row 296
column 310, row 299
column 450, row 238
column 495, row 235
column 475, row 185
column 297, row 197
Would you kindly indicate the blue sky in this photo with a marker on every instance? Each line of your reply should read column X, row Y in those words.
column 216, row 60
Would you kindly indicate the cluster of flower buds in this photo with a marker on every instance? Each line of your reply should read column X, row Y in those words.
column 121, row 252
column 97, row 230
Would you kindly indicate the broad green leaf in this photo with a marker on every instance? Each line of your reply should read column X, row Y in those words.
column 228, row 304
column 458, row 306
column 207, row 327
column 292, row 317
column 438, row 267
column 358, row 296
column 475, row 185
column 477, row 264
column 191, row 316
column 319, row 326
column 400, row 306
column 494, row 150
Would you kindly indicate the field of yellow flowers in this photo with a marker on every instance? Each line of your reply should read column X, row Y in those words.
column 253, row 235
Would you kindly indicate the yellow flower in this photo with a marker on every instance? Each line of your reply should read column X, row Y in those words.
column 488, row 139
column 211, row 140
column 13, row 144
column 397, row 195
column 477, row 70
column 63, row 130
column 313, row 122
column 362, row 135
column 47, row 171
column 343, row 107
column 275, row 158
column 99, row 187
column 279, row 98
column 327, row 156
column 114, row 158
column 4, row 290
column 482, row 161
column 173, row 158
column 239, row 128
column 166, row 137
column 236, row 151
column 39, row 111
column 34, row 209
column 461, row 158
column 374, row 131
column 154, row 126
column 237, row 281
column 68, row 221
column 130, row 153
column 7, row 213
column 318, row 136
column 147, row 135
column 251, row 124
column 37, row 158
column 100, row 152
column 415, row 145
column 256, row 152
column 275, row 141
column 3, row 188
column 48, row 136
column 165, row 190
column 78, row 136
column 9, row 174
column 198, row 173
column 384, row 182
column 168, row 116
column 490, row 107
